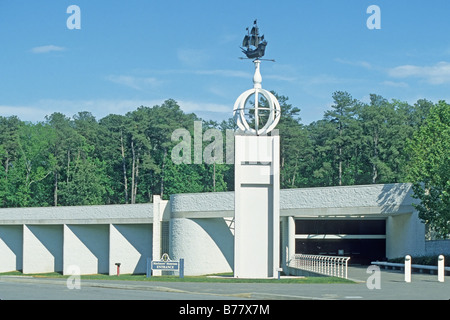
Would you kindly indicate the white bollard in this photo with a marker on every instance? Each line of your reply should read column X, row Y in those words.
column 441, row 270
column 408, row 268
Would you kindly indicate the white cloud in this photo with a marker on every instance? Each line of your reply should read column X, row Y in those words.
column 194, row 106
column 25, row 113
column 279, row 77
column 207, row 72
column 46, row 49
column 192, row 57
column 395, row 84
column 322, row 79
column 100, row 108
column 137, row 83
column 437, row 74
column 363, row 64
column 224, row 72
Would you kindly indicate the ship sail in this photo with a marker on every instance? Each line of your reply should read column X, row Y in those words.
column 254, row 40
column 246, row 41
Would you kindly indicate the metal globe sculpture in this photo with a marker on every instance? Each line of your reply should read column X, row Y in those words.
column 264, row 115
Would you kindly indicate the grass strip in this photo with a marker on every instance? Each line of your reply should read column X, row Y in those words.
column 222, row 278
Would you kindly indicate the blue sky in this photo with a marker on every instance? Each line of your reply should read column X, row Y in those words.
column 132, row 53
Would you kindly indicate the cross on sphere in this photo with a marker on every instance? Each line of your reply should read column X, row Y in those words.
column 273, row 107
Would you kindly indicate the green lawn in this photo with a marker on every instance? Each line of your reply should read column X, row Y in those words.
column 213, row 278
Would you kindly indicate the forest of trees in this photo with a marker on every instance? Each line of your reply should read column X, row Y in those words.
column 79, row 160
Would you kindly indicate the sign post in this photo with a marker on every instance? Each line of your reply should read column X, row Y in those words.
column 165, row 264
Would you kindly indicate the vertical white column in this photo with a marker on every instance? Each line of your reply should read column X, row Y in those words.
column 291, row 246
column 257, row 211
column 156, row 243
column 408, row 268
column 441, row 268
column 288, row 241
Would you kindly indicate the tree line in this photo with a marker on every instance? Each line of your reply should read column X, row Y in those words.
column 79, row 160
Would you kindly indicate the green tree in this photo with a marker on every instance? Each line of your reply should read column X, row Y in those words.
column 183, row 178
column 162, row 121
column 374, row 121
column 429, row 169
column 86, row 184
column 35, row 164
column 295, row 148
column 323, row 171
column 113, row 150
column 340, row 142
column 9, row 153
column 67, row 147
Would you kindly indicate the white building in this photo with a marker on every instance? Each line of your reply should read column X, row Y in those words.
column 363, row 222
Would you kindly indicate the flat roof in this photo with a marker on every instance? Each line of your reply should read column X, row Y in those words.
column 346, row 201
column 102, row 214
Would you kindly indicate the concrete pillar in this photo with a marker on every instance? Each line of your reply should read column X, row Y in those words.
column 291, row 246
column 11, row 247
column 130, row 245
column 87, row 247
column 257, row 206
column 161, row 212
column 284, row 243
column 287, row 241
column 405, row 234
column 156, row 244
column 42, row 248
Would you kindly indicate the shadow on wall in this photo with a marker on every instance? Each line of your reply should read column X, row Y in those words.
column 393, row 196
column 96, row 239
column 139, row 239
column 220, row 232
column 12, row 237
column 51, row 237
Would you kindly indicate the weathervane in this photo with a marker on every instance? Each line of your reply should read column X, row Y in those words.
column 254, row 45
column 270, row 112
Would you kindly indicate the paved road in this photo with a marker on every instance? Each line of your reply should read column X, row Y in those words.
column 392, row 287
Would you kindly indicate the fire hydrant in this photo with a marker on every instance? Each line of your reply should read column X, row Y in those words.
column 118, row 268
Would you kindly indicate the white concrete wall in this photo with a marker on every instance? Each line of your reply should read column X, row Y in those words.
column 257, row 206
column 86, row 246
column 377, row 199
column 42, row 248
column 380, row 199
column 206, row 245
column 199, row 229
column 106, row 214
column 209, row 204
column 405, row 234
column 130, row 245
column 11, row 246
column 39, row 240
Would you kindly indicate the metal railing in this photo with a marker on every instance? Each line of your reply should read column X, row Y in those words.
column 336, row 266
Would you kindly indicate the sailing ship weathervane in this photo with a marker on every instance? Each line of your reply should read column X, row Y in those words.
column 254, row 45
column 259, row 117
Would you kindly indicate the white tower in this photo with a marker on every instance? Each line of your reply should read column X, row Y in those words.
column 257, row 183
